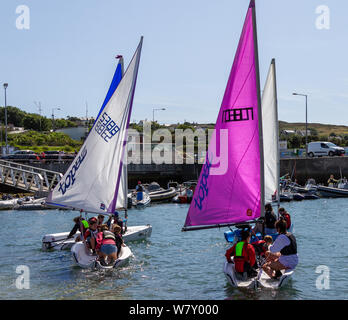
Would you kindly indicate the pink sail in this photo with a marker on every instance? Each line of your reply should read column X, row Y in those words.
column 230, row 187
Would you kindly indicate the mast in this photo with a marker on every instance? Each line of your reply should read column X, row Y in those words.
column 128, row 119
column 262, row 174
column 277, row 131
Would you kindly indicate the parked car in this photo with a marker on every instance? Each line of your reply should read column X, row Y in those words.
column 49, row 155
column 54, row 155
column 22, row 155
column 320, row 149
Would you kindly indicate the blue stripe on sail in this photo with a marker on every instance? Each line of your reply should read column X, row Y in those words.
column 113, row 86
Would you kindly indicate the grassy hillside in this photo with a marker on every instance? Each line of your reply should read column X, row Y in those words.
column 322, row 129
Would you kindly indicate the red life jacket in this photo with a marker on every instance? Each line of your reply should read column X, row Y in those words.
column 287, row 219
column 260, row 247
column 240, row 256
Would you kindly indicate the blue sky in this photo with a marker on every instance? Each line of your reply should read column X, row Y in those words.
column 67, row 56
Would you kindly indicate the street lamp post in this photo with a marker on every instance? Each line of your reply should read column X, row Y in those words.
column 306, row 96
column 53, row 117
column 5, row 87
column 153, row 113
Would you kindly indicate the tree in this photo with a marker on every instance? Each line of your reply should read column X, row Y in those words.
column 314, row 132
column 323, row 138
column 295, row 141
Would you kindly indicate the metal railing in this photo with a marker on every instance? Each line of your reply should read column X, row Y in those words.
column 28, row 178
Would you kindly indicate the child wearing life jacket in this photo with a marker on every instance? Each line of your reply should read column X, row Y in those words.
column 106, row 245
column 118, row 237
column 100, row 221
column 244, row 257
column 80, row 225
column 91, row 234
column 261, row 246
column 286, row 216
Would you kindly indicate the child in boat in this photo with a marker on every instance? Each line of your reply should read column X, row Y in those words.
column 91, row 234
column 259, row 226
column 106, row 245
column 100, row 221
column 286, row 216
column 270, row 219
column 80, row 223
column 118, row 237
column 282, row 254
column 117, row 220
column 261, row 246
column 243, row 255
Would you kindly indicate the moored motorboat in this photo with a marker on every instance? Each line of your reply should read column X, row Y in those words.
column 187, row 194
column 8, row 204
column 332, row 192
column 338, row 191
column 157, row 193
column 32, row 204
column 285, row 198
column 310, row 187
column 297, row 197
column 310, row 196
column 140, row 201
column 184, row 196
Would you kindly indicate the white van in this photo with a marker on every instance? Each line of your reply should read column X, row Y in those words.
column 320, row 148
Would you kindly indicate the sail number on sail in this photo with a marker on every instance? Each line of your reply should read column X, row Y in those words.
column 203, row 186
column 106, row 127
column 70, row 178
column 242, row 114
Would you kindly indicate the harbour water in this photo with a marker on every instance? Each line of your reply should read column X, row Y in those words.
column 171, row 264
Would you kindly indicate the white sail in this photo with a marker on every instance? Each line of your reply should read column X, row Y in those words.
column 92, row 181
column 123, row 189
column 270, row 136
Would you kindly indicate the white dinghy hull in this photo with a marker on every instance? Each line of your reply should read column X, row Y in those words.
column 85, row 260
column 264, row 281
column 235, row 280
column 58, row 241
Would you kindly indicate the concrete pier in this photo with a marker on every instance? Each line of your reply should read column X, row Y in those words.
column 299, row 168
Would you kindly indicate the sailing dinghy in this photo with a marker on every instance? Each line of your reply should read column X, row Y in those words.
column 271, row 164
column 59, row 241
column 93, row 180
column 231, row 188
column 272, row 177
